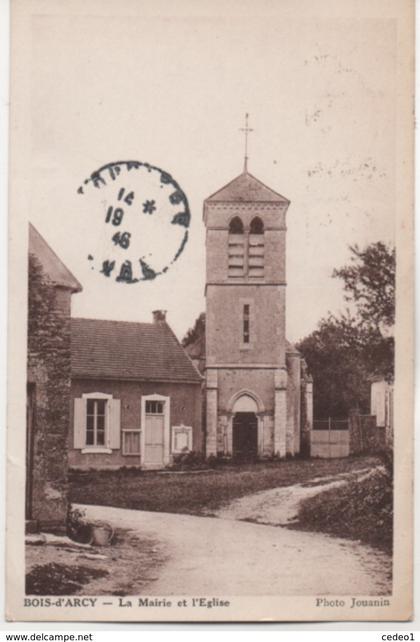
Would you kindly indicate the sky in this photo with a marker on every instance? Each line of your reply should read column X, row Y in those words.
column 170, row 87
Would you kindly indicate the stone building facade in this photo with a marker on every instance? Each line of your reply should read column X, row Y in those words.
column 50, row 290
column 256, row 384
column 136, row 395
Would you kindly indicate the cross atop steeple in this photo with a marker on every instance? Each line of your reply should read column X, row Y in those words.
column 246, row 130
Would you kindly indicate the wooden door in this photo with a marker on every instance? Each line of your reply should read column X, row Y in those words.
column 154, row 438
column 245, row 436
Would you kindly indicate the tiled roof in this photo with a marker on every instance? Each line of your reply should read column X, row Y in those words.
column 51, row 264
column 246, row 188
column 126, row 350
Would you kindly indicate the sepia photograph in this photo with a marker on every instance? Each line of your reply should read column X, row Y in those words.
column 210, row 311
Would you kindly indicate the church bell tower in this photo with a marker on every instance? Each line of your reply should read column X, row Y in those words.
column 246, row 374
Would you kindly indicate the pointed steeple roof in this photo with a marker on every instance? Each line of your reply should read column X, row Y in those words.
column 55, row 269
column 246, row 188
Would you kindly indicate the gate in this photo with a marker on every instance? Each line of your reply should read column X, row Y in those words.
column 330, row 438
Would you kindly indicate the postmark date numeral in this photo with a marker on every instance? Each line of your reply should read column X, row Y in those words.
column 114, row 216
column 123, row 240
column 126, row 198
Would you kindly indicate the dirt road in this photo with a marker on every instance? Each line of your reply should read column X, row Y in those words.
column 211, row 556
column 280, row 506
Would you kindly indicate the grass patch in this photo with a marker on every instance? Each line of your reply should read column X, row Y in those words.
column 195, row 494
column 360, row 510
column 59, row 579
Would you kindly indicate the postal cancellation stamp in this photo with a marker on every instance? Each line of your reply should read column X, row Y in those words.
column 136, row 205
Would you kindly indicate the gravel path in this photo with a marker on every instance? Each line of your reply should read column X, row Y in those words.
column 280, row 506
column 211, row 556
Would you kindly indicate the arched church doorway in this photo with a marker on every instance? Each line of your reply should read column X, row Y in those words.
column 245, row 429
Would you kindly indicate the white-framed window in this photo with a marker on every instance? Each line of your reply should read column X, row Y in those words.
column 181, row 439
column 131, row 442
column 97, row 423
column 154, row 407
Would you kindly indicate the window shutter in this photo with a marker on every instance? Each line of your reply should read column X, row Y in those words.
column 114, row 427
column 79, row 425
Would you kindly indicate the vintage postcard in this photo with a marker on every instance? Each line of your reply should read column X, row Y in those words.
column 210, row 403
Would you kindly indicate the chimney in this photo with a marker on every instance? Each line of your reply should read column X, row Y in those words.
column 159, row 316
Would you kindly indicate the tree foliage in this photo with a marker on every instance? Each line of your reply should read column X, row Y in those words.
column 194, row 343
column 345, row 352
column 197, row 332
column 342, row 358
column 48, row 354
column 369, row 282
column 41, row 306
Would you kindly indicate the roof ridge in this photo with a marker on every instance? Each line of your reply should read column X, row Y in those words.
column 151, row 323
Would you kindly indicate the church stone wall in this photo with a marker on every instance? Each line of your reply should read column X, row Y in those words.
column 232, row 381
column 224, row 325
column 216, row 254
column 293, row 403
column 218, row 217
column 274, row 247
column 268, row 444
